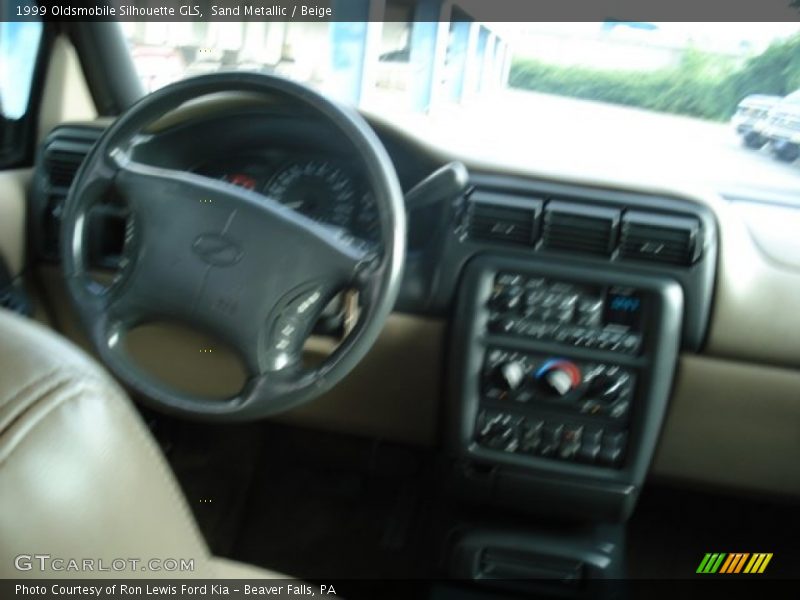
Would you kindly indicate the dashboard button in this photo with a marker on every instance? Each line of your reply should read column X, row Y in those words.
column 588, row 452
column 304, row 304
column 503, row 325
column 619, row 409
column 564, row 315
column 592, row 436
column 568, row 302
column 506, row 298
column 615, row 439
column 498, row 431
column 561, row 334
column 609, row 456
column 551, row 300
column 590, row 306
column 589, row 320
column 535, row 283
column 534, row 298
column 551, row 438
column 630, row 343
column 509, row 279
column 531, row 436
column 570, row 442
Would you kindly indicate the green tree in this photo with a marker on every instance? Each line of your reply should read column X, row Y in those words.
column 775, row 71
column 703, row 85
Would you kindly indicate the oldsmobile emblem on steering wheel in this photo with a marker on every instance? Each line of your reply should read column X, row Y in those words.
column 216, row 249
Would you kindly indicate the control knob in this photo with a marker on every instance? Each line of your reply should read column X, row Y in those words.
column 559, row 376
column 606, row 388
column 509, row 375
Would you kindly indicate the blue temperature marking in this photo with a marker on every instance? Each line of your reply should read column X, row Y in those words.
column 546, row 366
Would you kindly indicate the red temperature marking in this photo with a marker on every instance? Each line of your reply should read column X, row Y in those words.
column 242, row 180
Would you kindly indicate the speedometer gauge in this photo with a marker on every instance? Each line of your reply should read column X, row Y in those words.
column 318, row 189
column 367, row 223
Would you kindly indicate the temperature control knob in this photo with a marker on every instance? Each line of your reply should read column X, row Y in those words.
column 607, row 388
column 509, row 375
column 559, row 376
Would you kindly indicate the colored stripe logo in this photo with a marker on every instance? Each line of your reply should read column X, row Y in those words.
column 734, row 563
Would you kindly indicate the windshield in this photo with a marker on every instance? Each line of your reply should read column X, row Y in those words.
column 670, row 101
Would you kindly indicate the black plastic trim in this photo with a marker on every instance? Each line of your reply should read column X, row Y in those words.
column 107, row 65
column 42, row 191
column 574, row 555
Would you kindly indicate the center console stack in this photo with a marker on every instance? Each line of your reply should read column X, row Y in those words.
column 562, row 381
column 571, row 306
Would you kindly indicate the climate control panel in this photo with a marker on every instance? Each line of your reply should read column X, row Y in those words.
column 532, row 380
column 554, row 407
column 551, row 437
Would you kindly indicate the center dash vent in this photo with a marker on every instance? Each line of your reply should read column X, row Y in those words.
column 652, row 237
column 580, row 228
column 503, row 218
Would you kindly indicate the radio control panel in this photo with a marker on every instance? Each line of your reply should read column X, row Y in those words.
column 602, row 317
column 560, row 380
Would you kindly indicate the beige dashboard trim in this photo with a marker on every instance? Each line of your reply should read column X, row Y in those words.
column 733, row 425
column 393, row 393
column 13, row 191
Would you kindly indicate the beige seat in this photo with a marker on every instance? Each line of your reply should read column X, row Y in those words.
column 80, row 476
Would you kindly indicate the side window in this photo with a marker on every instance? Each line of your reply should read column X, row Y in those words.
column 20, row 42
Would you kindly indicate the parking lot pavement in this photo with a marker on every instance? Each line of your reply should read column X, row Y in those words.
column 545, row 132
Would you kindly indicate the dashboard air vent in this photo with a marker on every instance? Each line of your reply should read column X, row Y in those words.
column 580, row 228
column 503, row 218
column 59, row 159
column 659, row 238
column 64, row 152
column 61, row 167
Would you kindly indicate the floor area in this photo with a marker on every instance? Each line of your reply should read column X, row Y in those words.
column 320, row 505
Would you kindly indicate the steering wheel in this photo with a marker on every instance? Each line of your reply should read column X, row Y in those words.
column 230, row 261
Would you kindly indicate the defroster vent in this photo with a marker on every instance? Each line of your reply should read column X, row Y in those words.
column 658, row 238
column 503, row 218
column 580, row 228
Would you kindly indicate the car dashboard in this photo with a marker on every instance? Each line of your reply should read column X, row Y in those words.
column 558, row 339
column 657, row 255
